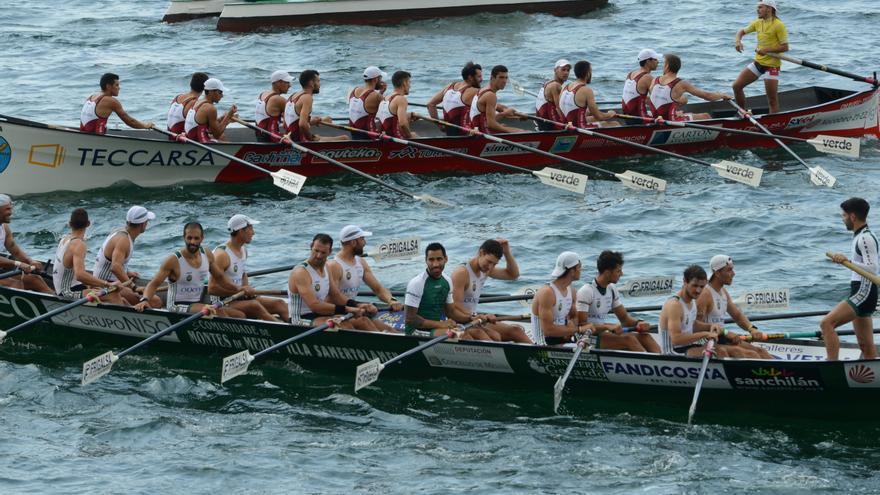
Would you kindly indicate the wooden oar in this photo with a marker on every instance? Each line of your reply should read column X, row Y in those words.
column 818, row 175
column 11, row 273
column 95, row 368
column 825, row 68
column 92, row 296
column 559, row 386
column 629, row 178
column 368, row 372
column 873, row 277
column 519, row 90
column 707, row 353
column 555, row 177
column 810, row 334
column 286, row 140
column 729, row 170
column 237, row 364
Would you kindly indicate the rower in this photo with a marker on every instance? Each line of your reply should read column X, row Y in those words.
column 111, row 263
column 554, row 315
column 638, row 83
column 547, row 101
column 17, row 258
column 363, row 103
column 181, row 103
column 98, row 108
column 69, row 274
column 577, row 101
column 231, row 260
column 298, row 118
column 680, row 331
column 430, row 310
column 201, row 123
column 456, row 98
column 270, row 107
column 861, row 303
column 772, row 38
column 468, row 280
column 715, row 303
column 314, row 297
column 668, row 91
column 349, row 270
column 599, row 297
column 485, row 110
column 394, row 118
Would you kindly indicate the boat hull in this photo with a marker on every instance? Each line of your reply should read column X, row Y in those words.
column 187, row 10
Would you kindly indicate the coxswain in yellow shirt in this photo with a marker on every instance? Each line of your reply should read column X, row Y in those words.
column 772, row 38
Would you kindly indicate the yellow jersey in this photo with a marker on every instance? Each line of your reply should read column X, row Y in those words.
column 770, row 34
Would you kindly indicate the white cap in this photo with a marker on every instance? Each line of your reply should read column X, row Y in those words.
column 562, row 63
column 139, row 214
column 769, row 3
column 352, row 232
column 280, row 75
column 238, row 222
column 719, row 262
column 214, row 83
column 648, row 53
column 565, row 260
column 5, row 200
column 373, row 72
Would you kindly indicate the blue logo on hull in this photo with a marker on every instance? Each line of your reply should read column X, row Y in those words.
column 5, row 154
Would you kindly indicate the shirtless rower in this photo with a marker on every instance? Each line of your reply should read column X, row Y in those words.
column 314, row 297
column 547, row 101
column 298, row 117
column 187, row 272
column 577, row 101
column 18, row 258
column 201, row 123
column 111, row 263
column 596, row 299
column 394, row 116
column 554, row 314
column 430, row 310
column 231, row 259
column 98, row 108
column 772, row 38
column 485, row 110
column 668, row 91
column 468, row 280
column 456, row 98
column 363, row 102
column 680, row 331
column 181, row 103
column 270, row 107
column 69, row 274
column 349, row 270
column 638, row 83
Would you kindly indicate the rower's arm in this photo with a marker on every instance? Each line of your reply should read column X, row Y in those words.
column 300, row 283
column 381, row 292
column 14, row 250
column 511, row 268
column 687, row 87
column 459, row 282
column 77, row 250
column 168, row 270
column 626, row 319
column 334, row 295
column 590, row 97
column 738, row 316
column 130, row 121
column 672, row 312
column 219, row 284
column 403, row 118
column 434, row 101
column 305, row 117
column 704, row 305
column 491, row 102
column 415, row 320
column 868, row 250
column 545, row 315
column 117, row 258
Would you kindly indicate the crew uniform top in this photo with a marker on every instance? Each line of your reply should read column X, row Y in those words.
column 430, row 295
column 719, row 305
column 300, row 312
column 571, row 111
column 454, row 110
column 561, row 308
column 352, row 277
column 89, row 121
column 63, row 278
column 476, row 118
column 770, row 34
column 189, row 288
column 547, row 110
column 633, row 102
column 266, row 121
column 103, row 264
column 388, row 121
column 662, row 104
column 176, row 119
column 689, row 316
column 291, row 117
column 597, row 301
column 473, row 288
column 358, row 116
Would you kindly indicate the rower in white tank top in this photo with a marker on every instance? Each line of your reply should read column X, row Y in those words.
column 190, row 286
column 473, row 288
column 236, row 269
column 2, row 237
column 63, row 277
column 291, row 117
column 352, row 277
column 299, row 310
column 689, row 316
column 452, row 100
column 561, row 308
column 719, row 305
column 597, row 305
column 103, row 265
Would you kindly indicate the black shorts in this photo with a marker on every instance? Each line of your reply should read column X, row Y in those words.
column 75, row 292
column 682, row 349
column 862, row 297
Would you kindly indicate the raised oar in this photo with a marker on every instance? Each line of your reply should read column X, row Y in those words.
column 559, row 386
column 519, row 90
column 237, row 364
column 629, row 178
column 97, row 367
column 825, row 68
column 818, row 175
column 285, row 179
column 286, row 140
column 707, row 353
column 555, row 177
column 729, row 170
column 873, row 277
column 368, row 372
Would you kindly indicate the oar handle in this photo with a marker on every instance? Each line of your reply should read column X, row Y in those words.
column 824, row 68
column 329, row 324
column 873, row 277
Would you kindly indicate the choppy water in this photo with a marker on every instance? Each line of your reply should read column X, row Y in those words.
column 160, row 423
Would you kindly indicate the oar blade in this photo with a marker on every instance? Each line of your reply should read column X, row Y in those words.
column 289, row 181
column 635, row 180
column 94, row 369
column 563, row 179
column 367, row 374
column 427, row 198
column 235, row 365
column 526, row 291
column 820, row 177
column 837, row 145
column 517, row 87
column 738, row 172
column 557, row 394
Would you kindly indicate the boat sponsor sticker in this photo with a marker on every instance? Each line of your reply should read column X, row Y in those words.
column 398, row 249
column 113, row 321
column 648, row 286
column 659, row 372
column 681, row 136
column 285, row 157
column 862, row 375
column 99, row 157
column 5, row 154
column 499, row 149
column 592, row 142
column 802, row 121
column 413, row 152
column 350, row 155
column 46, row 155
column 468, row 357
column 554, row 363
column 763, row 299
column 856, row 114
column 774, row 377
column 563, row 144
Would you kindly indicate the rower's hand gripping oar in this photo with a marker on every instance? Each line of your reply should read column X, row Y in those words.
column 427, row 198
column 818, row 175
column 367, row 373
column 873, row 277
column 555, row 177
column 824, row 68
column 707, row 353
column 285, row 179
column 95, row 368
column 559, row 386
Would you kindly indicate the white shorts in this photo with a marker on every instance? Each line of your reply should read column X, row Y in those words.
column 771, row 73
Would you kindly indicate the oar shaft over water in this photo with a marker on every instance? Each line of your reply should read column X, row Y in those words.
column 824, row 68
